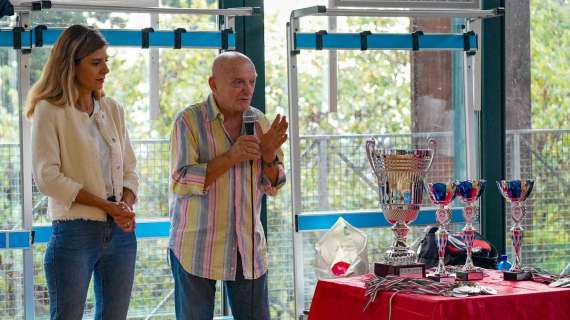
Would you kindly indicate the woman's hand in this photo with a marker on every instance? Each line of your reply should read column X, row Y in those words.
column 129, row 198
column 122, row 214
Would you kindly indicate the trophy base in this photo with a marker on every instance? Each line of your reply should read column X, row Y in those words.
column 448, row 278
column 517, row 276
column 469, row 275
column 414, row 270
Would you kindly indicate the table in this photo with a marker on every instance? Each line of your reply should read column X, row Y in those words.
column 343, row 298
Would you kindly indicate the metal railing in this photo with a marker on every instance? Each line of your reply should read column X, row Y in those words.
column 336, row 175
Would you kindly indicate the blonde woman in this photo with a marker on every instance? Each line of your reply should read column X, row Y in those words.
column 83, row 161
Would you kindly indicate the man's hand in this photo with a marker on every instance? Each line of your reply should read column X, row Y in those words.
column 245, row 148
column 271, row 141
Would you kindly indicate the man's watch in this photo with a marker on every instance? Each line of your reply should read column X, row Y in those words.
column 272, row 163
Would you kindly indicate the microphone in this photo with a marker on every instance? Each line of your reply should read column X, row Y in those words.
column 249, row 119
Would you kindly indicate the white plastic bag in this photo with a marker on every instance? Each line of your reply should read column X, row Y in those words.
column 342, row 252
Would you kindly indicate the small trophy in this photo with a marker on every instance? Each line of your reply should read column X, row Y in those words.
column 442, row 195
column 400, row 175
column 469, row 191
column 516, row 192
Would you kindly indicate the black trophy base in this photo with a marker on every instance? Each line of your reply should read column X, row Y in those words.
column 469, row 276
column 414, row 270
column 448, row 278
column 517, row 276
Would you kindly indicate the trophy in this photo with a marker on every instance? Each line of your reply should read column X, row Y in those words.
column 469, row 191
column 400, row 174
column 442, row 195
column 516, row 192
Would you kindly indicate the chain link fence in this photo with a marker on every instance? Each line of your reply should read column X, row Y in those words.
column 335, row 176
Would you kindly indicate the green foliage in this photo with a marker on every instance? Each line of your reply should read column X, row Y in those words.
column 8, row 97
column 373, row 87
column 550, row 67
column 373, row 97
column 183, row 76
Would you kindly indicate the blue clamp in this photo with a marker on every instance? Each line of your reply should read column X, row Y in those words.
column 294, row 52
column 319, row 42
column 39, row 5
column 467, row 43
column 416, row 40
column 364, row 40
column 178, row 37
column 145, row 37
column 39, row 35
column 224, row 38
column 17, row 37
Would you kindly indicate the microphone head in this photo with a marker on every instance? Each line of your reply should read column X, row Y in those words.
column 249, row 118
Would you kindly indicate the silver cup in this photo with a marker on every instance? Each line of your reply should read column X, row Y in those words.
column 442, row 194
column 400, row 174
column 516, row 192
column 469, row 191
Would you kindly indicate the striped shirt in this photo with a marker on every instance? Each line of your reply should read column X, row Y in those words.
column 209, row 226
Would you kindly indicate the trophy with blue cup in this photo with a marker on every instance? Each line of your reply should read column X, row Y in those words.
column 442, row 194
column 516, row 192
column 400, row 174
column 469, row 191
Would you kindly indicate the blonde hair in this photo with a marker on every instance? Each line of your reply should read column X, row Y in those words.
column 57, row 83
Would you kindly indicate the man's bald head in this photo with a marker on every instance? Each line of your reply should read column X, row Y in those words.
column 232, row 82
column 228, row 60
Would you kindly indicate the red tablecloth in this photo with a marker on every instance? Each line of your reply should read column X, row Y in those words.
column 343, row 298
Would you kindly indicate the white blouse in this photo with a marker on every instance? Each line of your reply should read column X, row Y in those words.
column 103, row 150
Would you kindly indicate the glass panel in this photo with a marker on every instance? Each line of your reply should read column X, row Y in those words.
column 400, row 97
column 279, row 219
column 10, row 195
column 11, row 285
column 128, row 83
column 183, row 78
column 11, row 269
column 538, row 138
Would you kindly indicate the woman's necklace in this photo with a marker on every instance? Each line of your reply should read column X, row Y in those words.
column 90, row 109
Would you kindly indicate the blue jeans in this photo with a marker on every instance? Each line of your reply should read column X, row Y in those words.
column 76, row 250
column 194, row 296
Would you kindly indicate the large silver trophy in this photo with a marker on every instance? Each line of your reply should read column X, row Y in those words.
column 516, row 192
column 400, row 174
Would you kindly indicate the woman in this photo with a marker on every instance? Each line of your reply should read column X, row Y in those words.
column 83, row 161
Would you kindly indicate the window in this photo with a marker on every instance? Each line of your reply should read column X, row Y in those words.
column 398, row 97
column 538, row 133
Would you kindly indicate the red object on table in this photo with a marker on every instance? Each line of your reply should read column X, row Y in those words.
column 343, row 298
column 340, row 268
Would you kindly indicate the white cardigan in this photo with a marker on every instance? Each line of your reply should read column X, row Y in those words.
column 64, row 157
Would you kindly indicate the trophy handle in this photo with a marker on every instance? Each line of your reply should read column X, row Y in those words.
column 370, row 147
column 432, row 143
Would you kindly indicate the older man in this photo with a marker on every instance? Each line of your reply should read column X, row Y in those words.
column 212, row 162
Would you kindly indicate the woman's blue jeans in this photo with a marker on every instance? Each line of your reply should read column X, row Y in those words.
column 76, row 250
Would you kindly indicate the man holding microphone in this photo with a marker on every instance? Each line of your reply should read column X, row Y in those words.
column 218, row 175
